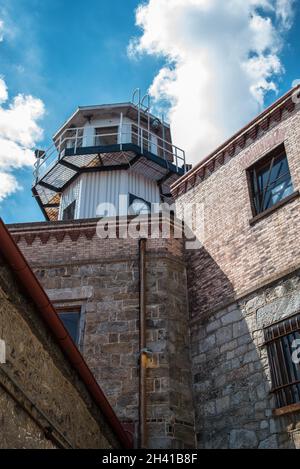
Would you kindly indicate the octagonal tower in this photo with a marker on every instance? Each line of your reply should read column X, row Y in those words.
column 106, row 160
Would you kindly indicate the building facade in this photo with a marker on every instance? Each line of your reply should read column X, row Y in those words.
column 49, row 398
column 222, row 319
column 244, row 281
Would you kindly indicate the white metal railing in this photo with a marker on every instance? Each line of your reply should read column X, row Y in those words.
column 82, row 137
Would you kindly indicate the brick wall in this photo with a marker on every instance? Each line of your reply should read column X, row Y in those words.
column 43, row 402
column 102, row 276
column 237, row 257
column 236, row 281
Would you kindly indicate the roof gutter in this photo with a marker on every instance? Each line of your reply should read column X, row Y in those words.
column 19, row 265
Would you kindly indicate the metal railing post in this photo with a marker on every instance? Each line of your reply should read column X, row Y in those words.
column 59, row 146
column 176, row 158
column 121, row 131
column 76, row 137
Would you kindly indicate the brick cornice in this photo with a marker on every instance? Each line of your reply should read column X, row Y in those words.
column 260, row 125
column 59, row 230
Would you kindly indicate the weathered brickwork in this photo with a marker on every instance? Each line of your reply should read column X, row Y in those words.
column 230, row 299
column 39, row 390
column 231, row 372
column 237, row 257
column 102, row 276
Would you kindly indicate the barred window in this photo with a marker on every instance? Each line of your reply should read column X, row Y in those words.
column 270, row 180
column 283, row 345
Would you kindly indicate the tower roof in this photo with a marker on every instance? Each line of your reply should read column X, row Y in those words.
column 84, row 113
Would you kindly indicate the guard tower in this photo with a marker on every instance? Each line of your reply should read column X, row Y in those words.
column 107, row 160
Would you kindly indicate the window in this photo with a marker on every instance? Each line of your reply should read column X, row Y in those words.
column 69, row 211
column 138, row 206
column 270, row 181
column 106, row 136
column 71, row 319
column 149, row 140
column 283, row 344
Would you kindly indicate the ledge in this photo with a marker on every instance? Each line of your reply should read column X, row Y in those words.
column 289, row 409
column 275, row 207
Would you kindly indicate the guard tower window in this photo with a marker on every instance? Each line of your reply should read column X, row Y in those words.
column 69, row 211
column 71, row 320
column 138, row 206
column 106, row 135
column 270, row 181
column 283, row 343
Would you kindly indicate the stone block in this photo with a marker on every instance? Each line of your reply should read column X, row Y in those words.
column 242, row 439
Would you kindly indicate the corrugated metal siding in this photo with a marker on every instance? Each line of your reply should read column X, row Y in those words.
column 69, row 195
column 103, row 188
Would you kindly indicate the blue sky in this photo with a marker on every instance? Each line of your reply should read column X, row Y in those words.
column 71, row 52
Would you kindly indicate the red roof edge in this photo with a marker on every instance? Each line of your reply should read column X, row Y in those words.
column 197, row 168
column 35, row 291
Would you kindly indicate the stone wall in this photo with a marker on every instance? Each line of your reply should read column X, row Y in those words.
column 102, row 277
column 43, row 403
column 234, row 407
column 229, row 295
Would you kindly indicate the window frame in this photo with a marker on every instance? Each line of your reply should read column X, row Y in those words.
column 265, row 161
column 132, row 198
column 111, row 131
column 72, row 207
column 281, row 368
column 60, row 310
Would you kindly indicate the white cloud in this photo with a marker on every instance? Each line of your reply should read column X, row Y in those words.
column 284, row 12
column 221, row 57
column 19, row 129
column 3, row 91
column 9, row 184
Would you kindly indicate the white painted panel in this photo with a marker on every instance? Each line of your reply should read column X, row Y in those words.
column 73, row 192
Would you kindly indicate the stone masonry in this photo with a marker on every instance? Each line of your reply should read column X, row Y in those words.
column 245, row 276
column 43, row 402
column 101, row 276
column 206, row 307
column 233, row 401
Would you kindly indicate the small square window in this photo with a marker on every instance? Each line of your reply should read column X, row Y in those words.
column 71, row 320
column 106, row 135
column 283, row 345
column 270, row 181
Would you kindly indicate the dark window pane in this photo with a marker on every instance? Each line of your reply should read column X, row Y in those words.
column 106, row 135
column 69, row 211
column 271, row 181
column 71, row 323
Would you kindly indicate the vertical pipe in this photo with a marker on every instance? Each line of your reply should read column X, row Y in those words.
column 142, row 347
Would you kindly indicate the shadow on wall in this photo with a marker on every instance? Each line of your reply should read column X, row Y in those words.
column 231, row 376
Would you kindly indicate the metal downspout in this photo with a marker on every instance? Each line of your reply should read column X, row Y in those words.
column 142, row 437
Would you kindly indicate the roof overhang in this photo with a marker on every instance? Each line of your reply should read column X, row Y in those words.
column 80, row 116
